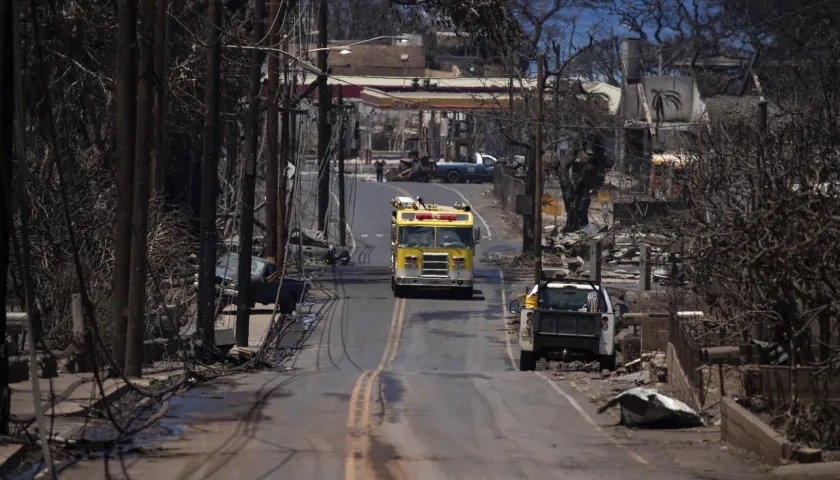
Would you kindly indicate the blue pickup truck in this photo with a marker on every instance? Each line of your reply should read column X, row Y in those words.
column 460, row 172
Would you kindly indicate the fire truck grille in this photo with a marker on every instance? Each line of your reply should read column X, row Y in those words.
column 435, row 265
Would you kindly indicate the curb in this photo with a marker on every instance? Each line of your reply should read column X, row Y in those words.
column 810, row 471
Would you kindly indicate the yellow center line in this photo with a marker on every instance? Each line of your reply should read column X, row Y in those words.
column 356, row 459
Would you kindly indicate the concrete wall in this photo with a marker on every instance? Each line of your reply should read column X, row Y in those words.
column 745, row 430
column 506, row 188
column 655, row 334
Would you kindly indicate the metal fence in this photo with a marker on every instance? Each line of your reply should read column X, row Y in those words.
column 688, row 353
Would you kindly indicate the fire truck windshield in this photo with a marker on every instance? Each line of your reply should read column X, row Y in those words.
column 435, row 237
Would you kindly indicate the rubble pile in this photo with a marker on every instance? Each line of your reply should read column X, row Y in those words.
column 620, row 250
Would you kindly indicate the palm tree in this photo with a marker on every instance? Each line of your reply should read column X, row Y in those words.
column 661, row 98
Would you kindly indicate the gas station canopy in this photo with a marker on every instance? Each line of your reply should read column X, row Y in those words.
column 426, row 100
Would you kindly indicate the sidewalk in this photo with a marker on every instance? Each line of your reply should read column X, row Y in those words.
column 258, row 327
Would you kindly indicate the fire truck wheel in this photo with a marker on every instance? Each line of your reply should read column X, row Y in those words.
column 467, row 293
column 399, row 291
column 527, row 361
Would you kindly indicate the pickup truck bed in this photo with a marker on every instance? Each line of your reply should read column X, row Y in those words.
column 554, row 322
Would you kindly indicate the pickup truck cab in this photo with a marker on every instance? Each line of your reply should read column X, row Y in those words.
column 566, row 317
column 480, row 170
column 265, row 283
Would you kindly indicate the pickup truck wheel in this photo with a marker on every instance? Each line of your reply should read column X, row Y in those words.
column 453, row 176
column 607, row 362
column 527, row 361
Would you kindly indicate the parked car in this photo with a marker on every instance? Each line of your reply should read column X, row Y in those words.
column 458, row 172
column 314, row 244
column 265, row 282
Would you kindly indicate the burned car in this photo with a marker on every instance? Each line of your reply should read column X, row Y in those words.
column 315, row 245
column 264, row 283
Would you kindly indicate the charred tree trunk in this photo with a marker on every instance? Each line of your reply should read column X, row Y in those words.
column 231, row 158
column 140, row 217
column 578, row 179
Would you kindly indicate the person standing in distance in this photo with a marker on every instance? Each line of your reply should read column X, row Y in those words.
column 380, row 169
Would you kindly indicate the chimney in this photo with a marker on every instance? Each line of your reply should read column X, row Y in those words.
column 631, row 61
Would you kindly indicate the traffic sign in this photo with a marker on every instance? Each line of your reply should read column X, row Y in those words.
column 604, row 197
column 550, row 205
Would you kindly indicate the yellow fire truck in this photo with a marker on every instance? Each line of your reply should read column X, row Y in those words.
column 432, row 246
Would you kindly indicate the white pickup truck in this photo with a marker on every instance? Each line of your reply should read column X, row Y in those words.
column 568, row 317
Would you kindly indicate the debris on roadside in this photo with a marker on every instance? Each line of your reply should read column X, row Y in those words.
column 645, row 407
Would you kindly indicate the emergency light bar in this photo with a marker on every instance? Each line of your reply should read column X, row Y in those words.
column 436, row 216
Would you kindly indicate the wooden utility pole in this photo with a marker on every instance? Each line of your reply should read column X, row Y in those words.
column 126, row 120
column 271, row 134
column 342, row 208
column 284, row 163
column 323, row 121
column 159, row 158
column 7, row 112
column 538, row 147
column 140, row 217
column 209, row 179
column 23, row 248
column 246, row 223
column 762, row 127
column 293, row 160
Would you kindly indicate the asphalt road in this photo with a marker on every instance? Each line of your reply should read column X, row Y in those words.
column 422, row 388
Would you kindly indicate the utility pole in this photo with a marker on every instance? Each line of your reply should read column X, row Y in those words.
column 140, row 218
column 209, row 179
column 284, row 163
column 159, row 161
column 538, row 172
column 271, row 135
column 125, row 118
column 293, row 159
column 296, row 160
column 23, row 248
column 342, row 210
column 246, row 223
column 323, row 121
column 7, row 112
